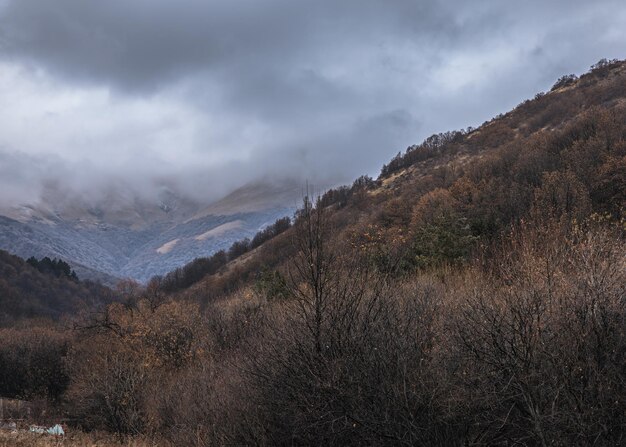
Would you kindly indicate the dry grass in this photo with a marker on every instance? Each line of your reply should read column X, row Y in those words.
column 75, row 439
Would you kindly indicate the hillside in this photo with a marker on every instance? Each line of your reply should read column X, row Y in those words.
column 562, row 152
column 473, row 294
column 26, row 292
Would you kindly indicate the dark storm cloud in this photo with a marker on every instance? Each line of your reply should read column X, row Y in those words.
column 225, row 92
column 142, row 44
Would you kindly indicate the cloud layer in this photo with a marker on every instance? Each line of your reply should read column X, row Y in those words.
column 211, row 95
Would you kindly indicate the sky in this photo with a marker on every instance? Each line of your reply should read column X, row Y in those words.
column 206, row 96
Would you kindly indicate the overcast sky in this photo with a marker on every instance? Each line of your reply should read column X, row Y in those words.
column 209, row 95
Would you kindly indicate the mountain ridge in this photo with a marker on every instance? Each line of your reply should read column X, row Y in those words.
column 137, row 238
column 489, row 177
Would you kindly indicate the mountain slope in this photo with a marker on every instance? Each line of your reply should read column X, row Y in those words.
column 560, row 155
column 26, row 292
column 121, row 236
column 472, row 295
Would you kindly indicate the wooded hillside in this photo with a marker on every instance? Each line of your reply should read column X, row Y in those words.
column 473, row 294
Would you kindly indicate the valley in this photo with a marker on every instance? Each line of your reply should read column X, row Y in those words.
column 138, row 239
column 338, row 224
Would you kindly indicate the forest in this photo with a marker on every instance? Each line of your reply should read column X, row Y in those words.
column 473, row 294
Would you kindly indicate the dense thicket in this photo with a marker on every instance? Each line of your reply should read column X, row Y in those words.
column 32, row 362
column 526, row 345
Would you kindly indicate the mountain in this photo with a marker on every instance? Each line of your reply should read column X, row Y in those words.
column 559, row 155
column 473, row 294
column 121, row 235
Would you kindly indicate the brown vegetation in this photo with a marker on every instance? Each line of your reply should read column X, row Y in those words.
column 75, row 439
column 474, row 295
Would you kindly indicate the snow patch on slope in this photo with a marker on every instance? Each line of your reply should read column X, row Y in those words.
column 219, row 231
column 167, row 247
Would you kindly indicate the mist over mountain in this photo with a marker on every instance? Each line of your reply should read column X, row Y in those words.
column 120, row 234
column 206, row 97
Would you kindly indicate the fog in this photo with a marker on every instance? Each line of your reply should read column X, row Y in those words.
column 206, row 96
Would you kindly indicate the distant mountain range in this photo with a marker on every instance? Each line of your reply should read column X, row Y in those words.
column 124, row 236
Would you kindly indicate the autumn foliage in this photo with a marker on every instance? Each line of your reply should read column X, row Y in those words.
column 473, row 295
